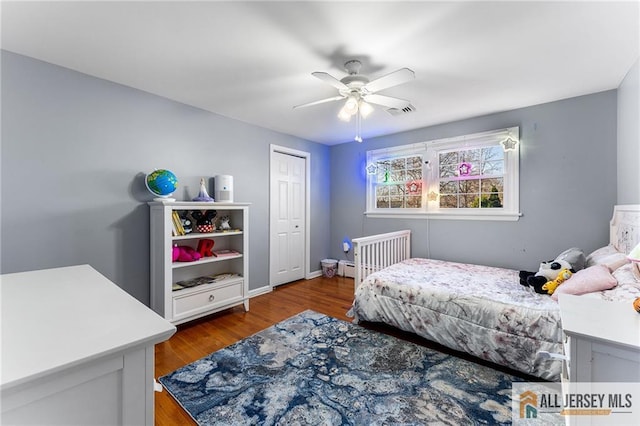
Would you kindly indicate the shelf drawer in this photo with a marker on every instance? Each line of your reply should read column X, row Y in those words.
column 208, row 299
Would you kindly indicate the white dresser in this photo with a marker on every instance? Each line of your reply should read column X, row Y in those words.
column 76, row 350
column 603, row 339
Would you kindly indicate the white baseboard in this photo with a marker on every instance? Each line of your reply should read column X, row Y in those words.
column 258, row 291
column 314, row 274
column 267, row 289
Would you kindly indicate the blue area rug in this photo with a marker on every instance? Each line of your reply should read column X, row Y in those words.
column 316, row 370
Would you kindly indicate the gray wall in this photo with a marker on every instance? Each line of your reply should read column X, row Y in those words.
column 629, row 137
column 74, row 152
column 567, row 187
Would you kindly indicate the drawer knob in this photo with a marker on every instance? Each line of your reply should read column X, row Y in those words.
column 211, row 297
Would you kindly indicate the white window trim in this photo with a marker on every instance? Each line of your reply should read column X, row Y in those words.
column 431, row 210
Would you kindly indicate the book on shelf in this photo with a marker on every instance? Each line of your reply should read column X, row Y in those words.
column 207, row 279
column 225, row 252
column 177, row 223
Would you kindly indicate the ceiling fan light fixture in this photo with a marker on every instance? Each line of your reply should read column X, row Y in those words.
column 365, row 109
column 355, row 88
column 344, row 114
column 351, row 106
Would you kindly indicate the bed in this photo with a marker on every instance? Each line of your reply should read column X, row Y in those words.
column 483, row 310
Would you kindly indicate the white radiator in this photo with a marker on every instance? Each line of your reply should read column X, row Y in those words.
column 379, row 251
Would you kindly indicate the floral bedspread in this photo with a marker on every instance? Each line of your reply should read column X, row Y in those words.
column 481, row 310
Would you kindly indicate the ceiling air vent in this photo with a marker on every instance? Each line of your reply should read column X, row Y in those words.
column 406, row 110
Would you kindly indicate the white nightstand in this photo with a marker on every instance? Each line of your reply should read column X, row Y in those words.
column 603, row 339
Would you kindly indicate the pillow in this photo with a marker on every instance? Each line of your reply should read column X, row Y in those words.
column 609, row 256
column 628, row 288
column 627, row 275
column 593, row 278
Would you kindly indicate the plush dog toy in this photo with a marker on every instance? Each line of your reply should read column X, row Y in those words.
column 224, row 223
column 550, row 286
column 184, row 254
column 572, row 259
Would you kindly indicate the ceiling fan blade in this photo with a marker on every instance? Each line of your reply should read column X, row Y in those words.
column 328, row 78
column 386, row 101
column 392, row 79
column 335, row 98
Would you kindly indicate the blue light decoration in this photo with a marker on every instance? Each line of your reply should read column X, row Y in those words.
column 346, row 245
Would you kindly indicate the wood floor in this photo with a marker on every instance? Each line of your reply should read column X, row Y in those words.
column 199, row 338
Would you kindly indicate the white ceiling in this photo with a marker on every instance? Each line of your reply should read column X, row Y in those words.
column 252, row 61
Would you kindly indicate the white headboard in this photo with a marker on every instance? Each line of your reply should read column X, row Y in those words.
column 624, row 231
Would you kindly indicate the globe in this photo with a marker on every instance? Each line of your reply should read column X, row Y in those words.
column 161, row 183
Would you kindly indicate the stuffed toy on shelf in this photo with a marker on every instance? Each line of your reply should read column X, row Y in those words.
column 184, row 254
column 204, row 220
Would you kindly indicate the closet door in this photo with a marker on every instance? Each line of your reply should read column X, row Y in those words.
column 288, row 195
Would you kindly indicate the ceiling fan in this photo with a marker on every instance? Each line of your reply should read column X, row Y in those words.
column 360, row 92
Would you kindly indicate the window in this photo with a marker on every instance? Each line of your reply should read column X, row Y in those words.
column 467, row 177
column 400, row 183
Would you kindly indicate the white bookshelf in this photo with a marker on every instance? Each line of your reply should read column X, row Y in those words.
column 185, row 304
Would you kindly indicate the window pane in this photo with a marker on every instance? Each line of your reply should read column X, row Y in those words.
column 448, row 171
column 398, row 164
column 449, row 201
column 448, row 187
column 467, row 186
column 382, row 190
column 414, row 163
column 397, row 202
column 493, row 153
column 396, row 189
column 493, row 200
column 382, row 202
column 471, row 155
column 493, row 168
column 398, row 176
column 414, row 202
column 448, row 158
column 414, row 174
column 492, row 185
column 468, row 201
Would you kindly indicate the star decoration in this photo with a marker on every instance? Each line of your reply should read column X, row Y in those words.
column 464, row 168
column 372, row 169
column 433, row 196
column 509, row 144
column 414, row 187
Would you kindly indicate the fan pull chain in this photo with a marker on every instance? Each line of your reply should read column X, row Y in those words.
column 358, row 137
